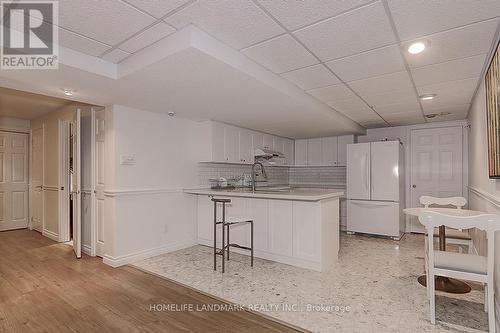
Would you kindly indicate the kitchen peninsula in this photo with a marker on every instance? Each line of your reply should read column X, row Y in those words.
column 296, row 226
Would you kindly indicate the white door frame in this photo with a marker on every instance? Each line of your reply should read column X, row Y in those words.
column 30, row 197
column 93, row 206
column 64, row 233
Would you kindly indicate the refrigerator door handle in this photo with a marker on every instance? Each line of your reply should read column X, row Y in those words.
column 367, row 174
column 373, row 204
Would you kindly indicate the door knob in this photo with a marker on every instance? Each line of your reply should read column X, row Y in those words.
column 414, row 186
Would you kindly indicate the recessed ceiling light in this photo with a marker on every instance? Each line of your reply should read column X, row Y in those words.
column 69, row 92
column 171, row 114
column 416, row 47
column 427, row 97
column 431, row 115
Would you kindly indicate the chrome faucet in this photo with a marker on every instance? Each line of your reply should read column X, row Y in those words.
column 254, row 173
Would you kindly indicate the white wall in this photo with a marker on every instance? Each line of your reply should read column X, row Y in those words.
column 14, row 123
column 484, row 194
column 147, row 212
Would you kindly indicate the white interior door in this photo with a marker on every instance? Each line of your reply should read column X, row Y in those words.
column 13, row 180
column 99, row 130
column 436, row 165
column 37, row 180
column 76, row 186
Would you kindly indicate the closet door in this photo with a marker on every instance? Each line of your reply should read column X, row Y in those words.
column 13, row 181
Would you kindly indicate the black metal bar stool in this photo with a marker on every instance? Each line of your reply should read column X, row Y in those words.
column 226, row 225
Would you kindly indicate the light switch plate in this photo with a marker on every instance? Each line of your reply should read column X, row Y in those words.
column 127, row 160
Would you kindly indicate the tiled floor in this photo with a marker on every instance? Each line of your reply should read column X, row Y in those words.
column 374, row 286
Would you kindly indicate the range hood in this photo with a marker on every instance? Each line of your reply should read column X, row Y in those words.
column 268, row 153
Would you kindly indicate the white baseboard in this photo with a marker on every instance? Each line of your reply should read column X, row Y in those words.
column 141, row 255
column 86, row 249
column 497, row 313
column 51, row 235
column 13, row 226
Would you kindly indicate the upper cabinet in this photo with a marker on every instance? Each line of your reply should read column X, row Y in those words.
column 301, row 152
column 343, row 141
column 330, row 151
column 231, row 144
column 246, row 150
column 314, row 152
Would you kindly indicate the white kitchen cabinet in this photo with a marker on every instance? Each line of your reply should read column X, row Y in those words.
column 232, row 144
column 218, row 141
column 294, row 232
column 314, row 152
column 246, row 150
column 329, row 151
column 258, row 140
column 288, row 150
column 280, row 227
column 306, row 227
column 268, row 141
column 343, row 141
column 301, row 152
column 259, row 211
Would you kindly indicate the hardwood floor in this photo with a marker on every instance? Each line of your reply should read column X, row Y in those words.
column 43, row 288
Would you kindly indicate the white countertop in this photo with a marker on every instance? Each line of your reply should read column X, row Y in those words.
column 298, row 194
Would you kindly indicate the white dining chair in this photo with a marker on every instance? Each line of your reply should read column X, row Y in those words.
column 453, row 236
column 462, row 266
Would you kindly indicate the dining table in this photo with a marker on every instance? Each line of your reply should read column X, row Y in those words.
column 442, row 283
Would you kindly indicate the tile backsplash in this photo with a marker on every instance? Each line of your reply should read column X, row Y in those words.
column 277, row 175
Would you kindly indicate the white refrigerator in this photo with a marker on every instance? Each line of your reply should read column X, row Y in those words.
column 375, row 188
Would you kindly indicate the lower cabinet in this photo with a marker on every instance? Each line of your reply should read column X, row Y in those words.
column 306, row 229
column 280, row 227
column 298, row 233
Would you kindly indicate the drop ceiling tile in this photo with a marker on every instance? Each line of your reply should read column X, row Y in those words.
column 400, row 96
column 294, row 14
column 108, row 21
column 449, row 93
column 367, row 64
column 373, row 124
column 382, row 84
column 353, row 105
column 406, row 121
column 449, row 71
column 332, row 93
column 455, row 44
column 399, row 108
column 453, row 109
column 115, row 56
column 147, row 37
column 280, row 54
column 312, row 77
column 361, row 115
column 238, row 23
column 356, row 31
column 415, row 18
column 158, row 8
column 447, row 118
column 81, row 43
